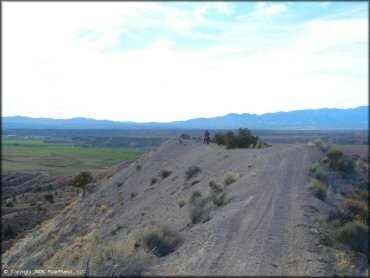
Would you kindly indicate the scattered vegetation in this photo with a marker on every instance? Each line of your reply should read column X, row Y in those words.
column 232, row 177
column 160, row 240
column 192, row 172
column 165, row 173
column 243, row 139
column 9, row 204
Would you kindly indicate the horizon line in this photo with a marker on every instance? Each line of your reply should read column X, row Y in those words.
column 231, row 113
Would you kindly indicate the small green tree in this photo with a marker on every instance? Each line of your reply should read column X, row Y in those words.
column 81, row 180
column 219, row 138
column 230, row 140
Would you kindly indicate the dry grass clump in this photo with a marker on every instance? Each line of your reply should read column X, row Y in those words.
column 354, row 234
column 199, row 207
column 221, row 200
column 318, row 172
column 133, row 194
column 153, row 180
column 108, row 220
column 103, row 208
column 216, row 186
column 160, row 240
column 192, row 172
column 79, row 241
column 76, row 256
column 181, row 202
column 357, row 208
column 232, row 177
column 165, row 173
column 319, row 189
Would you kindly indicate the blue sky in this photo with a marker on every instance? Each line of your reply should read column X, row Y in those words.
column 140, row 61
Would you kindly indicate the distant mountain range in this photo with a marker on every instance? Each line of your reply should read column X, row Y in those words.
column 326, row 118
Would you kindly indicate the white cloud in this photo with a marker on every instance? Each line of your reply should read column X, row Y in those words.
column 51, row 71
column 263, row 9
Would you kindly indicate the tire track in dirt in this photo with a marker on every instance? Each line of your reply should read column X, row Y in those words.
column 261, row 237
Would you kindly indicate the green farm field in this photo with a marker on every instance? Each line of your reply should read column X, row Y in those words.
column 28, row 155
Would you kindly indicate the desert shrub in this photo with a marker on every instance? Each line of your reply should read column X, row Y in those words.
column 81, row 180
column 193, row 171
column 153, row 180
column 319, row 191
column 243, row 139
column 346, row 164
column 318, row 172
column 340, row 216
column 232, row 177
column 165, row 173
column 199, row 208
column 230, row 140
column 77, row 256
column 334, row 154
column 358, row 208
column 354, row 234
column 160, row 240
column 49, row 198
column 9, row 204
column 318, row 142
column 220, row 200
column 135, row 264
column 340, row 162
column 108, row 220
column 260, row 145
column 9, row 233
column 185, row 136
column 362, row 183
column 103, row 208
column 216, row 186
column 219, row 138
column 133, row 195
column 181, row 202
column 354, row 206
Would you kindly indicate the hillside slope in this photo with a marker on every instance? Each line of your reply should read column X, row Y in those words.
column 260, row 231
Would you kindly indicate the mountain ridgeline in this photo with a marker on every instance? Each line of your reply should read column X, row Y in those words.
column 326, row 118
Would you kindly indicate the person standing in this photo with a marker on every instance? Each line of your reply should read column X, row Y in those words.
column 206, row 137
